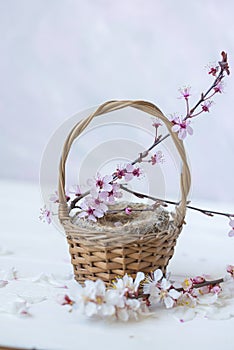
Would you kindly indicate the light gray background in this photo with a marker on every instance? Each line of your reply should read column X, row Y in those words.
column 61, row 56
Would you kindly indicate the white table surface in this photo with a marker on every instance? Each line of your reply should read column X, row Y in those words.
column 203, row 247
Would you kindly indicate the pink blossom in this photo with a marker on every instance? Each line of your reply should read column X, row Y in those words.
column 128, row 210
column 216, row 289
column 185, row 92
column 198, row 279
column 157, row 158
column 76, row 190
column 231, row 233
column 187, row 285
column 99, row 205
column 204, row 290
column 206, row 106
column 128, row 172
column 55, row 199
column 174, row 119
column 156, row 124
column 182, row 127
column 213, row 70
column 110, row 196
column 219, row 87
column 100, row 183
column 187, row 299
column 91, row 209
column 230, row 269
column 45, row 215
column 131, row 172
column 120, row 172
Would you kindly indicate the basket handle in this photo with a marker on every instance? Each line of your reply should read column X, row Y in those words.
column 148, row 107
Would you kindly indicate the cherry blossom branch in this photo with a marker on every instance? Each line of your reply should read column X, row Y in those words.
column 193, row 286
column 145, row 153
column 224, row 68
column 106, row 187
column 204, row 284
column 203, row 211
column 139, row 159
column 182, row 126
column 128, row 297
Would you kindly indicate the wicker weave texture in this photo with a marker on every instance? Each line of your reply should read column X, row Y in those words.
column 147, row 255
column 101, row 255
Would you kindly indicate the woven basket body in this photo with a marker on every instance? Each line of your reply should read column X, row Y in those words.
column 106, row 255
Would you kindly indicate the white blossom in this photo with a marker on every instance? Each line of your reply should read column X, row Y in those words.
column 161, row 290
column 127, row 284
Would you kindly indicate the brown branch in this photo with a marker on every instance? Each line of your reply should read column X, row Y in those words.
column 223, row 68
column 203, row 211
column 203, row 284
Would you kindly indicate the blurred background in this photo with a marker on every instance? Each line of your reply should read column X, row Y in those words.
column 62, row 56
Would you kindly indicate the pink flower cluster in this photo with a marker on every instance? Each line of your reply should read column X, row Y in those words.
column 127, row 172
column 105, row 191
column 45, row 215
column 159, row 289
column 182, row 125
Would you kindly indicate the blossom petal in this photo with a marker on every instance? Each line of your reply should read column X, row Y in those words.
column 182, row 134
column 169, row 302
column 98, row 213
column 175, row 128
column 129, row 167
column 128, row 177
column 107, row 310
column 100, row 287
column 139, row 277
column 82, row 214
column 107, row 187
column 91, row 309
column 92, row 218
column 108, row 178
column 174, row 294
column 157, row 275
column 189, row 130
column 165, row 284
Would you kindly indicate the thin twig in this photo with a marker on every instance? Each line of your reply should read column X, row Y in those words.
column 203, row 284
column 203, row 211
column 203, row 96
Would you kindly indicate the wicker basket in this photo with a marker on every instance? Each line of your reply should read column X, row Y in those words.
column 106, row 255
